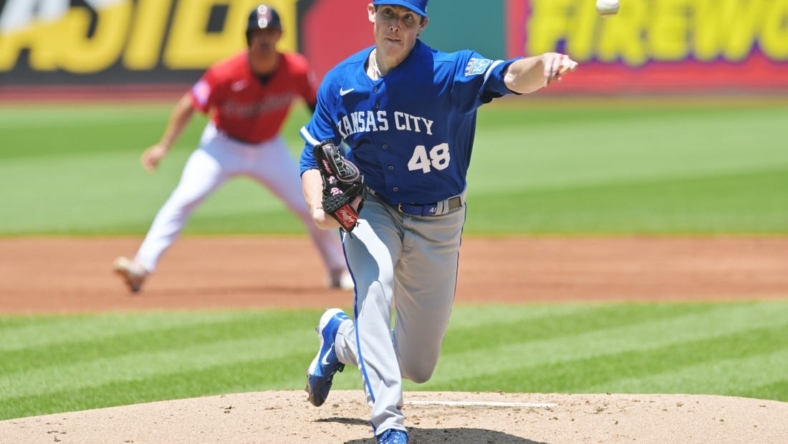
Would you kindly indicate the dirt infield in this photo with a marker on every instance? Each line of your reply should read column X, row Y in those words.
column 73, row 275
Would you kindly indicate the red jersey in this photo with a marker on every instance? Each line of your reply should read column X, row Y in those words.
column 243, row 107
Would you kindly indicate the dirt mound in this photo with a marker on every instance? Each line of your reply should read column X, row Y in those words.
column 446, row 417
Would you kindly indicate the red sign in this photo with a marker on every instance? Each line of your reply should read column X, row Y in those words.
column 332, row 30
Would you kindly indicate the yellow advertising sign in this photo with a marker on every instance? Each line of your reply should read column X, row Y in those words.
column 139, row 35
column 659, row 45
column 660, row 30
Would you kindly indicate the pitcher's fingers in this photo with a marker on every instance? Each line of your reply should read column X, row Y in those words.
column 566, row 67
column 558, row 65
column 548, row 68
column 570, row 66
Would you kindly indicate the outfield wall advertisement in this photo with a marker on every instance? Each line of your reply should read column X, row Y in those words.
column 659, row 45
column 651, row 45
column 124, row 41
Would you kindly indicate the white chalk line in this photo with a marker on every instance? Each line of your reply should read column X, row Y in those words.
column 537, row 405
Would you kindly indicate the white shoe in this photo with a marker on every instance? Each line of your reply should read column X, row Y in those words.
column 132, row 273
column 341, row 279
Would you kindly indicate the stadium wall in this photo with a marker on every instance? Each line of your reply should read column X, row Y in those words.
column 157, row 45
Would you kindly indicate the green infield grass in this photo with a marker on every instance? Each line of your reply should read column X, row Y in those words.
column 51, row 364
column 538, row 168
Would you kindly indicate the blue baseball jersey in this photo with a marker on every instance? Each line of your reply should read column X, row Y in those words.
column 410, row 132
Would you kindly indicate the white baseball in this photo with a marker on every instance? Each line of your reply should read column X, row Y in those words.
column 606, row 8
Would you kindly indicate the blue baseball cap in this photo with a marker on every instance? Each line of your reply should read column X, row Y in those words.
column 417, row 6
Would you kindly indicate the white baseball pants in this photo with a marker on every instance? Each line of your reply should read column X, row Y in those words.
column 217, row 159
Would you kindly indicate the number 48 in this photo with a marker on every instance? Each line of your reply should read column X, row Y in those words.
column 438, row 157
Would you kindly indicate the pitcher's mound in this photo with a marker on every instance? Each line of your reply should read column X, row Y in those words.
column 446, row 417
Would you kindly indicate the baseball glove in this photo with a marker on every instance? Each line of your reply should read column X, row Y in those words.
column 342, row 183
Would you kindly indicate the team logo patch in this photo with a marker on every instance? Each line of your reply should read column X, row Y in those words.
column 477, row 66
column 201, row 91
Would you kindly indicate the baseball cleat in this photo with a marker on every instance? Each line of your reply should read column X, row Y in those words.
column 393, row 436
column 341, row 280
column 322, row 369
column 132, row 273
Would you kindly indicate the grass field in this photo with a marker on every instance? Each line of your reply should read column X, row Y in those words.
column 67, row 363
column 616, row 168
column 688, row 168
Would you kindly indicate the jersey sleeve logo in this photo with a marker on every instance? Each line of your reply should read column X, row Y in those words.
column 201, row 91
column 477, row 66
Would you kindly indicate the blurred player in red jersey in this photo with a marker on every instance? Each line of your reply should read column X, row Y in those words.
column 248, row 98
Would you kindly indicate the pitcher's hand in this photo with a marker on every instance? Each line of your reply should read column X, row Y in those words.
column 556, row 65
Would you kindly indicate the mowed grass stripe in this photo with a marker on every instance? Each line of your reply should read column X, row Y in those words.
column 471, row 316
column 270, row 373
column 528, row 114
column 83, row 192
column 158, row 336
column 62, row 330
column 517, row 158
column 732, row 203
column 69, row 202
column 105, row 337
column 466, row 335
column 716, row 376
column 646, row 335
column 602, row 374
column 135, row 366
column 777, row 390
